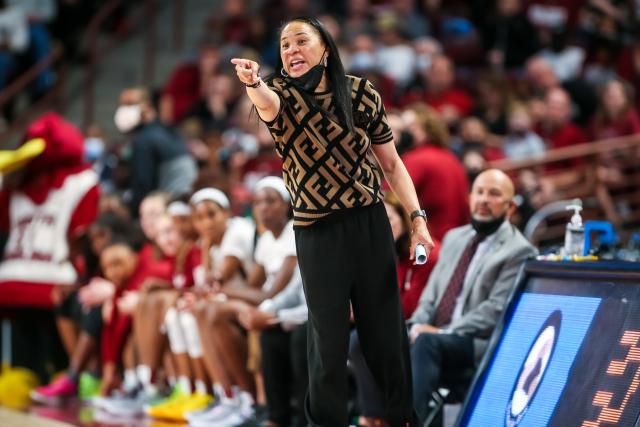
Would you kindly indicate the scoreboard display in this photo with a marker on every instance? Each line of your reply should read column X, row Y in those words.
column 566, row 353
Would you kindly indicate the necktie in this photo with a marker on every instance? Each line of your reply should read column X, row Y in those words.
column 448, row 300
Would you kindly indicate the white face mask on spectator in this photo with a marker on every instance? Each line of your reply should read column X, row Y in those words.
column 127, row 117
column 423, row 62
column 363, row 61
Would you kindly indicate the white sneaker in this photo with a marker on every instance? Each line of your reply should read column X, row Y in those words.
column 223, row 409
column 106, row 418
column 128, row 406
column 244, row 413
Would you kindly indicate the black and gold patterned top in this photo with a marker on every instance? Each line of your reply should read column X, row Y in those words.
column 325, row 167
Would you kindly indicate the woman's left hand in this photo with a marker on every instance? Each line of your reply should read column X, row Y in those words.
column 420, row 235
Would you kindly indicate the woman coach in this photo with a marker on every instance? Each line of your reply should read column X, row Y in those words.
column 329, row 129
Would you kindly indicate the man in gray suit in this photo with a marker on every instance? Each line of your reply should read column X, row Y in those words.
column 468, row 288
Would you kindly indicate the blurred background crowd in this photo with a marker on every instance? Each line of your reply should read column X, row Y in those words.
column 546, row 90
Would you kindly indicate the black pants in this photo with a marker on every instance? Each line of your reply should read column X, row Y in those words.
column 351, row 259
column 284, row 367
column 89, row 321
column 434, row 357
column 369, row 397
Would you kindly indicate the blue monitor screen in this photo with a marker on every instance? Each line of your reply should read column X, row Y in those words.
column 567, row 354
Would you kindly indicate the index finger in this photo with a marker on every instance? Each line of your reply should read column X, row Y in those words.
column 242, row 62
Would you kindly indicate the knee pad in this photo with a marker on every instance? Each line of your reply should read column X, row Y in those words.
column 190, row 330
column 177, row 341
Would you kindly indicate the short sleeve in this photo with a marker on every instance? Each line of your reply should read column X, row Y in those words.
column 289, row 241
column 262, row 248
column 238, row 240
column 379, row 129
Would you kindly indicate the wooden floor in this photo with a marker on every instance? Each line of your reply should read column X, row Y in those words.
column 9, row 418
column 72, row 414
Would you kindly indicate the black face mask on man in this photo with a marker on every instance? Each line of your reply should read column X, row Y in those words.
column 487, row 228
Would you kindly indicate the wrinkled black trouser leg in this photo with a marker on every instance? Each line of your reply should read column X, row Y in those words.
column 352, row 259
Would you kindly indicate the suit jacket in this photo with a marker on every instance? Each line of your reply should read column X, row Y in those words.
column 485, row 289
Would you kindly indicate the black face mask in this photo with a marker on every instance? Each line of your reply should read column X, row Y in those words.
column 487, row 228
column 310, row 80
column 472, row 144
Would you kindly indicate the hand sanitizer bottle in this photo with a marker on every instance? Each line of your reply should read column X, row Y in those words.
column 574, row 235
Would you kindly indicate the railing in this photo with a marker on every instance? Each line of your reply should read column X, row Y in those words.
column 604, row 174
column 148, row 14
column 145, row 17
column 54, row 98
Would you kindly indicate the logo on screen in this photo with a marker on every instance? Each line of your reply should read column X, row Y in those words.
column 533, row 369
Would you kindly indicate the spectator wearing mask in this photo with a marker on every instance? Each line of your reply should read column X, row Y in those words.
column 395, row 56
column 467, row 291
column 474, row 136
column 566, row 61
column 159, row 157
column 364, row 61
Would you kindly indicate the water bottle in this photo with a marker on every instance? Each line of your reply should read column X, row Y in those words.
column 574, row 234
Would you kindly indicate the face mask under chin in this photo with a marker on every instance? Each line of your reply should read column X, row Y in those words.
column 310, row 80
column 487, row 228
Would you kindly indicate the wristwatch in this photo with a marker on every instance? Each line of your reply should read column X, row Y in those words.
column 417, row 213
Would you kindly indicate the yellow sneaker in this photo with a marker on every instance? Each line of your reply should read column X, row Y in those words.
column 177, row 409
column 177, row 395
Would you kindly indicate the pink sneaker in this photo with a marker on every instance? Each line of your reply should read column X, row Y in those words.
column 53, row 393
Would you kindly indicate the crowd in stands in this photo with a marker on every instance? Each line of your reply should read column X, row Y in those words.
column 182, row 220
column 512, row 83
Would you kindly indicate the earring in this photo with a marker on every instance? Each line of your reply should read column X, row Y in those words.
column 325, row 60
column 283, row 73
